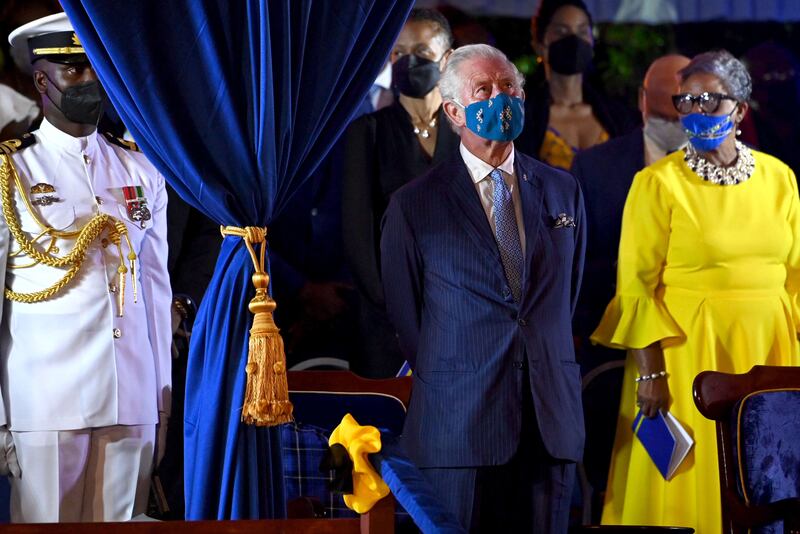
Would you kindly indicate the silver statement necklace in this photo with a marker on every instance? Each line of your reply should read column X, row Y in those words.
column 739, row 172
column 425, row 133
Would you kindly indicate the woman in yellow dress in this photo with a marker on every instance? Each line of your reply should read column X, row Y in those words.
column 708, row 277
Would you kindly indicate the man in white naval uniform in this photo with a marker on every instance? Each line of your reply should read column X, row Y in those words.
column 85, row 343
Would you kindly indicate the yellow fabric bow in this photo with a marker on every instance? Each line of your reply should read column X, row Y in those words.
column 368, row 486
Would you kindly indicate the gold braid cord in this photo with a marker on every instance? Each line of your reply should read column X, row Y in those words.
column 99, row 224
column 266, row 398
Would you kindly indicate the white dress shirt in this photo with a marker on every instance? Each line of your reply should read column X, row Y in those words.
column 70, row 362
column 479, row 172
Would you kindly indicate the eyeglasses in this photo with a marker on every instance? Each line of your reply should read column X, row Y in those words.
column 708, row 102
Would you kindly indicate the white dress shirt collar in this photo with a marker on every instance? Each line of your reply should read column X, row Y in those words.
column 52, row 136
column 484, row 186
column 479, row 169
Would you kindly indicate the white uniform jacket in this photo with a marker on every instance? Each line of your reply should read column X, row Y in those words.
column 70, row 362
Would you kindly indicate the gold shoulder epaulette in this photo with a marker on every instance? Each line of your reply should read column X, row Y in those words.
column 14, row 145
column 124, row 143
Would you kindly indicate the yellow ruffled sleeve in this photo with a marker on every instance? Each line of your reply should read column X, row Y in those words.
column 793, row 261
column 637, row 317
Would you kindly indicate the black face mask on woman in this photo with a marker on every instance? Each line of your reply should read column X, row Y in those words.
column 569, row 55
column 82, row 104
column 415, row 76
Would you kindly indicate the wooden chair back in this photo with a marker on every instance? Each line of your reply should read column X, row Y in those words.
column 716, row 395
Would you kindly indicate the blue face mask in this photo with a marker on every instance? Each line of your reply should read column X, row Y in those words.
column 707, row 132
column 498, row 119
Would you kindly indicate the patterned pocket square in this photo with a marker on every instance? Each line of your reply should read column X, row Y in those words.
column 562, row 220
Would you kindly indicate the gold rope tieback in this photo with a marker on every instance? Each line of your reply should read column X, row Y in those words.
column 266, row 398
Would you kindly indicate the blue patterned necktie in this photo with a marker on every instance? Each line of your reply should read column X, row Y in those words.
column 507, row 234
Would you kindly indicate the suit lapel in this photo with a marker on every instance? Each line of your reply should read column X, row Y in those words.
column 469, row 211
column 530, row 194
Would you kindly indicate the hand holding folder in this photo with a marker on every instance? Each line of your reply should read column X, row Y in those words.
column 664, row 439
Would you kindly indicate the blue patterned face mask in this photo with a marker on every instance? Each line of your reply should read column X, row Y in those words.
column 707, row 132
column 498, row 119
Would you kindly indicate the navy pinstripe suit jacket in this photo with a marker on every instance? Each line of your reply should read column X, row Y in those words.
column 464, row 335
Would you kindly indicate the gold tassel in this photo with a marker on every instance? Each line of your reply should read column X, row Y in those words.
column 121, row 291
column 266, row 397
column 131, row 258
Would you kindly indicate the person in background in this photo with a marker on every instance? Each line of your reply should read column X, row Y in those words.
column 708, row 279
column 482, row 258
column 85, row 345
column 380, row 94
column 565, row 114
column 385, row 150
column 317, row 306
column 17, row 112
column 605, row 173
column 193, row 242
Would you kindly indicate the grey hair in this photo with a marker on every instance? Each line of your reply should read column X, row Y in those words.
column 729, row 70
column 451, row 83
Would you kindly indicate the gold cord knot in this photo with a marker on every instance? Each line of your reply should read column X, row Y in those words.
column 255, row 234
column 266, row 398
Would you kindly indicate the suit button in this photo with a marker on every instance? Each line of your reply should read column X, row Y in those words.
column 117, row 333
column 506, row 292
column 518, row 365
column 523, row 322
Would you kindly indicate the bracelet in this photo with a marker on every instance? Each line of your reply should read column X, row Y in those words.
column 644, row 378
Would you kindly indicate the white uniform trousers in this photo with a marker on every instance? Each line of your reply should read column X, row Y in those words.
column 97, row 474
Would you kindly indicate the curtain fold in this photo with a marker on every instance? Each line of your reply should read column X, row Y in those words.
column 236, row 103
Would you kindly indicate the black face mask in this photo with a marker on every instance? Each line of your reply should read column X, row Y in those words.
column 82, row 103
column 570, row 55
column 415, row 76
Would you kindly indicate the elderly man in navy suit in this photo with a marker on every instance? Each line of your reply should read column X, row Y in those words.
column 482, row 260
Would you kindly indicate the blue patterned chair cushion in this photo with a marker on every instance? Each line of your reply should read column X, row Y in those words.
column 767, row 429
column 302, row 449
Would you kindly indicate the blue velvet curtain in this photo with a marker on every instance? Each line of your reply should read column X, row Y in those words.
column 235, row 102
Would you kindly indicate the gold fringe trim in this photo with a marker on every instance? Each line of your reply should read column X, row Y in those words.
column 266, row 398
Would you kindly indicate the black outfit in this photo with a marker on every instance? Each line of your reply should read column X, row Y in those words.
column 306, row 247
column 616, row 118
column 605, row 173
column 382, row 153
column 194, row 241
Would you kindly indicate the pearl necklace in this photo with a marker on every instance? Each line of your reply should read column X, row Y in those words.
column 425, row 133
column 740, row 172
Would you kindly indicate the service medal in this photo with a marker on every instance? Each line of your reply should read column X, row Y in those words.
column 43, row 195
column 136, row 204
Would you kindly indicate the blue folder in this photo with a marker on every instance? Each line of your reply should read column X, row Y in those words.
column 664, row 439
